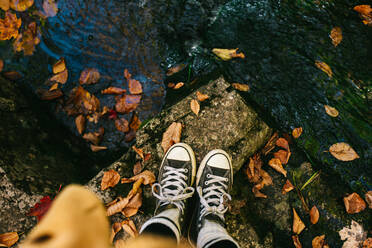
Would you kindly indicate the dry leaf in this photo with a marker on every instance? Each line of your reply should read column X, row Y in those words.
column 314, row 215
column 343, row 151
column 116, row 227
column 130, row 228
column 298, row 225
column 283, row 156
column 50, row 8
column 53, row 87
column 227, row 54
column 353, row 235
column 80, row 123
column 171, row 136
column 147, row 176
column 324, row 67
column 296, row 133
column 1, row 63
column 113, row 91
column 367, row 243
column 47, row 95
column 139, row 151
column 60, row 77
column 135, row 87
column 368, row 198
column 4, row 5
column 110, row 179
column 201, row 97
column 122, row 125
column 171, row 85
column 331, row 111
column 296, row 241
column 270, row 145
column 175, row 69
column 137, row 168
column 257, row 193
column 283, row 143
column 133, row 205
column 127, row 75
column 8, row 239
column 95, row 148
column 94, row 138
column 135, row 122
column 336, row 36
column 178, row 85
column 27, row 41
column 365, row 12
column 130, row 136
column 195, row 107
column 59, row 66
column 127, row 103
column 81, row 101
column 318, row 241
column 89, row 76
column 277, row 165
column 354, row 203
column 21, row 5
column 288, row 186
column 240, row 87
column 9, row 26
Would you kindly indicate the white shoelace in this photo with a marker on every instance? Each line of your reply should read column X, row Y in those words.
column 173, row 178
column 212, row 197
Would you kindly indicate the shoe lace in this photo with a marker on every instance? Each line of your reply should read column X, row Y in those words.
column 173, row 188
column 212, row 198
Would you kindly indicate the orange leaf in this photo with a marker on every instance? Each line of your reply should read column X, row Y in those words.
column 8, row 239
column 9, row 26
column 95, row 148
column 363, row 9
column 277, row 165
column 81, row 101
column 257, row 193
column 318, row 242
column 60, row 77
column 270, row 145
column 354, row 203
column 343, row 151
column 367, row 243
column 147, row 176
column 171, row 85
column 21, row 5
column 175, row 69
column 227, row 54
column 240, row 87
column 59, row 66
column 27, row 41
column 130, row 228
column 288, row 186
column 117, row 205
column 171, row 136
column 47, row 95
column 298, row 225
column 80, row 123
column 296, row 133
column 135, row 122
column 283, row 143
column 110, row 179
column 137, row 168
column 331, row 111
column 195, row 107
column 127, row 75
column 53, row 87
column 314, row 215
column 95, row 137
column 116, row 227
column 201, row 97
column 283, row 156
column 89, row 76
column 122, row 125
column 336, row 36
column 324, row 67
column 113, row 90
column 4, row 5
column 368, row 198
column 135, row 87
column 1, row 65
column 127, row 103
column 178, row 85
column 296, row 241
column 133, row 205
column 139, row 151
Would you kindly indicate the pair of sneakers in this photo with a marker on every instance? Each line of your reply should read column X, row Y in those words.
column 214, row 180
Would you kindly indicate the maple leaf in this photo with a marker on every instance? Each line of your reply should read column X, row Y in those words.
column 40, row 208
column 9, row 26
column 89, row 76
column 27, row 41
column 343, row 151
column 227, row 54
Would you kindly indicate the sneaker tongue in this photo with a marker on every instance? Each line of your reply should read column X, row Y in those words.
column 178, row 164
column 218, row 171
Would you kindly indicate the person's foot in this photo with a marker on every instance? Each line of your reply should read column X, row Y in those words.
column 175, row 180
column 214, row 180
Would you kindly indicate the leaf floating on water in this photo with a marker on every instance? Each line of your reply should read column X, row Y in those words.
column 4, row 5
column 331, row 111
column 227, row 54
column 8, row 239
column 368, row 198
column 47, row 95
column 21, row 5
column 110, row 179
column 318, row 242
column 27, row 41
column 178, row 85
column 53, row 87
column 135, row 87
column 40, row 208
column 354, row 203
column 113, row 91
column 296, row 133
column 89, row 76
column 288, row 186
column 298, row 225
column 324, row 67
column 59, row 66
column 127, row 103
column 95, row 148
column 195, row 107
column 127, row 75
column 81, row 102
column 171, row 136
column 277, row 165
column 283, row 156
column 50, row 8
column 135, row 122
column 343, row 151
column 296, row 241
column 1, row 65
column 80, row 123
column 201, row 97
column 95, row 137
column 336, row 36
column 240, row 87
column 175, row 69
column 9, row 26
column 122, row 125
column 314, row 215
column 60, row 77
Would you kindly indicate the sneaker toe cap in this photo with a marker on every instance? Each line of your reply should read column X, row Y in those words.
column 219, row 161
column 179, row 153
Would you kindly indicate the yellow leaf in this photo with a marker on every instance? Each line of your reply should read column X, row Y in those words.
column 277, row 165
column 298, row 225
column 343, row 151
column 60, row 77
column 9, row 26
column 201, row 97
column 296, row 133
column 8, row 239
column 54, row 87
column 21, row 5
column 240, row 87
column 227, row 54
column 324, row 67
column 80, row 123
column 59, row 66
column 336, row 36
column 4, row 5
column 195, row 107
column 331, row 111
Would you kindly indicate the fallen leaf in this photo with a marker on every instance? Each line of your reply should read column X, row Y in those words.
column 81, row 101
column 324, row 67
column 283, row 156
column 60, row 77
column 94, row 138
column 148, row 178
column 21, row 5
column 50, row 8
column 113, row 114
column 365, row 12
column 288, row 186
column 175, row 69
column 110, row 179
column 115, row 228
column 130, row 228
column 296, row 241
column 270, row 145
column 60, row 65
column 12, row 75
column 296, row 133
column 113, row 91
column 171, row 136
column 8, row 239
column 227, row 54
column 139, row 151
column 134, row 122
column 27, row 41
column 127, row 103
column 257, row 193
column 195, row 107
column 201, row 97
column 4, row 5
column 354, row 235
column 40, row 208
column 354, row 203
column 95, row 148
column 368, row 198
column 135, row 87
column 367, row 243
column 127, row 75
column 147, row 157
column 80, row 123
column 336, row 36
column 343, row 151
column 1, row 65
column 9, row 26
column 178, row 85
column 331, row 111
column 133, row 205
column 240, row 87
column 277, row 165
column 47, row 95
column 314, row 215
column 122, row 125
column 89, row 76
column 137, row 168
column 318, row 241
column 283, row 143
column 298, row 225
column 53, row 87
column 171, row 85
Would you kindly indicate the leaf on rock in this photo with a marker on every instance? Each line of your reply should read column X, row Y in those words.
column 227, row 54
column 288, row 186
column 89, row 76
column 1, row 63
column 27, row 41
column 139, row 151
column 314, row 215
column 137, row 168
column 115, row 228
column 324, row 67
column 80, row 123
column 343, row 151
column 195, row 107
column 47, row 95
column 133, row 205
column 298, row 225
column 127, row 103
column 4, row 5
column 122, row 125
column 318, row 241
column 60, row 65
column 277, row 165
column 60, row 77
column 8, row 239
column 50, row 8
column 175, row 69
column 130, row 228
column 296, row 133
column 240, row 87
column 331, row 111
column 135, row 87
column 201, row 97
column 9, row 26
column 171, row 136
column 283, row 156
column 296, row 241
column 178, row 85
column 147, row 176
column 113, row 91
column 354, row 203
column 95, row 148
column 53, row 87
column 368, row 198
column 336, row 36
column 21, row 5
column 40, row 208
column 283, row 143
column 110, row 179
